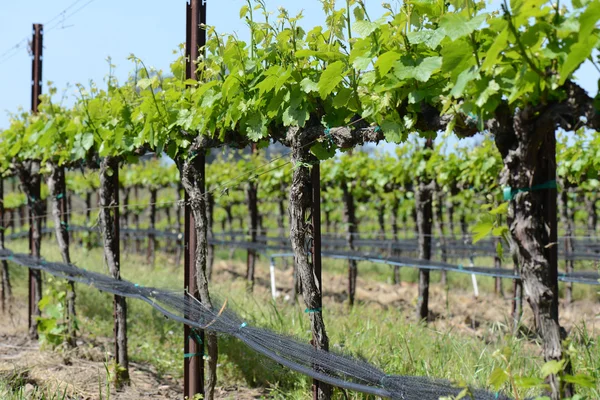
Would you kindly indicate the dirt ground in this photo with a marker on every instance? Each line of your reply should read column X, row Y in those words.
column 82, row 371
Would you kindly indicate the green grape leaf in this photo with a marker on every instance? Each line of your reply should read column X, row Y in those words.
column 458, row 56
column 491, row 56
column 588, row 19
column 87, row 140
column 497, row 378
column 580, row 51
column 308, row 86
column 243, row 11
column 422, row 71
column 461, row 82
column 361, row 62
column 323, row 151
column 364, row 28
column 581, row 380
column 482, row 230
column 457, row 25
column 385, row 62
column 552, row 367
column 341, row 98
column 491, row 89
column 330, row 78
column 431, row 38
column 295, row 114
column 529, row 382
column 393, row 131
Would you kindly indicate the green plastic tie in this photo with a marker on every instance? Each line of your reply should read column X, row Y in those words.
column 313, row 310
column 65, row 225
column 190, row 355
column 510, row 193
column 377, row 129
column 194, row 336
column 60, row 196
column 243, row 325
column 460, row 267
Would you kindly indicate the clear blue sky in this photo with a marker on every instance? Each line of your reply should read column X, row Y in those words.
column 150, row 29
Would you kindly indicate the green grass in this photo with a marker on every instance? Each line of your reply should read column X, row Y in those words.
column 388, row 338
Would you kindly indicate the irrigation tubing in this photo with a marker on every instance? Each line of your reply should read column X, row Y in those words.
column 330, row 367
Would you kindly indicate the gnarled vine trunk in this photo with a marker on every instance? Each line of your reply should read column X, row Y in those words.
column 6, row 294
column 394, row 222
column 136, row 218
column 125, row 217
column 151, row 253
column 109, row 222
column 193, row 178
column 350, row 221
column 58, row 189
column 527, row 143
column 210, row 207
column 252, row 198
column 281, row 217
column 381, row 221
column 439, row 221
column 423, row 199
column 30, row 177
column 424, row 210
column 300, row 209
column 592, row 213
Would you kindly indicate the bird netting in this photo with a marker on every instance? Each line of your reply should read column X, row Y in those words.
column 333, row 368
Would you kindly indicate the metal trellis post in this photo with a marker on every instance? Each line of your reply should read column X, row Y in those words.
column 193, row 367
column 36, row 91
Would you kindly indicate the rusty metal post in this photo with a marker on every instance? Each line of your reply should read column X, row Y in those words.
column 193, row 365
column 36, row 66
column 316, row 246
column 36, row 91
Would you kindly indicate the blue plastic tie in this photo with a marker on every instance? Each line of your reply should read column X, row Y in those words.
column 510, row 193
column 313, row 310
column 60, row 196
column 328, row 135
column 136, row 285
column 460, row 267
column 243, row 325
column 190, row 355
column 377, row 129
